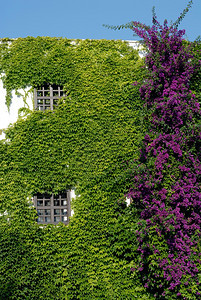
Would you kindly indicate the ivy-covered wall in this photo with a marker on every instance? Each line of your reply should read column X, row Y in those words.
column 85, row 143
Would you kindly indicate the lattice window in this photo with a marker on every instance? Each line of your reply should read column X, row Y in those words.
column 53, row 209
column 47, row 96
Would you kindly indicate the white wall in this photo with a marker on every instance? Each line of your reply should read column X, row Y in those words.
column 7, row 117
column 137, row 46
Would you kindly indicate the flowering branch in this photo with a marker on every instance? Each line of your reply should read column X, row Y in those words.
column 167, row 188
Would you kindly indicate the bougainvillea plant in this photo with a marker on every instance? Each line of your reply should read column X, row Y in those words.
column 167, row 178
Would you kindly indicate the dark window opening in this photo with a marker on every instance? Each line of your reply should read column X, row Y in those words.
column 47, row 96
column 53, row 209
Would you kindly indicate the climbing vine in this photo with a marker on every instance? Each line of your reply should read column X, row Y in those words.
column 81, row 144
column 166, row 184
column 105, row 138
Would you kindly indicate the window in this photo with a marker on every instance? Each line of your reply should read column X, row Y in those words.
column 47, row 96
column 53, row 209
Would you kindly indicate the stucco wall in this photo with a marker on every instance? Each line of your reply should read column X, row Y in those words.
column 8, row 117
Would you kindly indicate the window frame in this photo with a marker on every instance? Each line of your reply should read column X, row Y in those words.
column 51, row 203
column 47, row 96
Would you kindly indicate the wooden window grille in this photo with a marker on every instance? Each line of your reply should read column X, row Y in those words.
column 47, row 96
column 53, row 209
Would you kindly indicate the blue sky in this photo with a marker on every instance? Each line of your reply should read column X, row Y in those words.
column 84, row 18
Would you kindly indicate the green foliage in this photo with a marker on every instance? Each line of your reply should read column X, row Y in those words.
column 80, row 137
column 83, row 143
column 196, row 82
column 183, row 14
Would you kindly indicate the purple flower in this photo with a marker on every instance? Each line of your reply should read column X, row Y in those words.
column 166, row 182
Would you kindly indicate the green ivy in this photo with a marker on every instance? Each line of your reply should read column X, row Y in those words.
column 83, row 144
